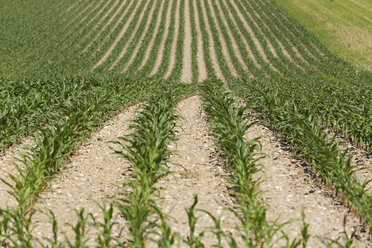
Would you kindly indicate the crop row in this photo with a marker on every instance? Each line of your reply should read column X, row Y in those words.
column 249, row 39
column 302, row 127
column 55, row 143
column 229, row 125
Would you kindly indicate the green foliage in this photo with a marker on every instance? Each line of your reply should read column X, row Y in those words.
column 147, row 150
column 302, row 127
column 229, row 124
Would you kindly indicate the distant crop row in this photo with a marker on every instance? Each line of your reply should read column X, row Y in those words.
column 253, row 38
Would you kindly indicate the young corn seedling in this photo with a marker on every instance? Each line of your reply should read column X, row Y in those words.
column 147, row 149
column 229, row 124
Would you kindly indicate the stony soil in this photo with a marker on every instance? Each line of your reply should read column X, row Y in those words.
column 93, row 176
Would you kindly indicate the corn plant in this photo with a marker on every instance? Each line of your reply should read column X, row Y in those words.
column 229, row 124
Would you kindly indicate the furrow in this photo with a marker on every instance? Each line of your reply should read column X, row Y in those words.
column 245, row 49
column 73, row 5
column 169, row 21
column 97, row 15
column 81, row 25
column 252, row 36
column 236, row 53
column 272, row 37
column 136, row 38
column 302, row 42
column 161, row 26
column 196, row 171
column 232, row 37
column 172, row 60
column 295, row 30
column 212, row 51
column 149, row 31
column 283, row 31
column 102, row 19
column 225, row 50
column 259, row 28
column 361, row 5
column 186, row 75
column 264, row 38
column 361, row 159
column 202, row 70
column 277, row 40
column 121, row 34
column 156, row 54
column 92, row 176
column 79, row 14
column 289, row 185
column 118, row 10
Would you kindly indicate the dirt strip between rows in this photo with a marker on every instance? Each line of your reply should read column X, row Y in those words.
column 290, row 185
column 96, row 16
column 173, row 47
column 107, row 24
column 160, row 56
column 121, row 34
column 78, row 15
column 225, row 50
column 93, row 175
column 361, row 158
column 73, row 5
column 200, row 53
column 196, row 171
column 145, row 33
column 211, row 48
column 151, row 44
column 231, row 37
column 246, row 45
column 123, row 52
column 253, row 36
column 80, row 25
column 186, row 75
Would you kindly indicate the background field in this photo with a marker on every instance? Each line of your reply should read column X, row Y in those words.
column 344, row 26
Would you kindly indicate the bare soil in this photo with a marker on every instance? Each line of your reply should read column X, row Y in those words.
column 290, row 185
column 81, row 13
column 253, row 36
column 173, row 47
column 361, row 158
column 197, row 170
column 225, row 50
column 73, row 6
column 200, row 53
column 144, row 34
column 151, row 45
column 186, row 75
column 120, row 35
column 232, row 38
column 84, row 18
column 212, row 50
column 100, row 20
column 131, row 38
column 251, row 56
column 108, row 23
column 160, row 58
column 92, row 177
